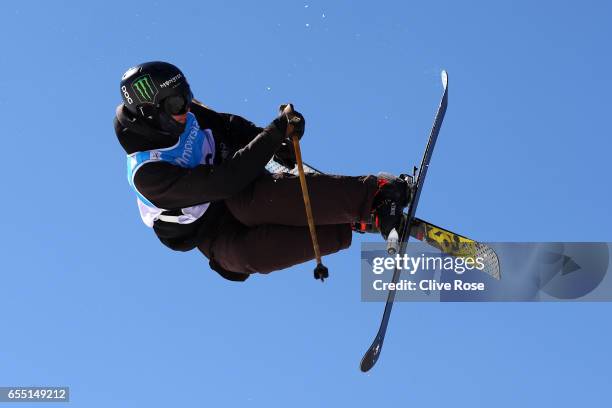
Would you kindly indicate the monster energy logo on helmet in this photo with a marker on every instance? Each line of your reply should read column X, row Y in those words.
column 145, row 88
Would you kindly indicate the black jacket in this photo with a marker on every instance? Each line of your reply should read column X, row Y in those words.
column 242, row 151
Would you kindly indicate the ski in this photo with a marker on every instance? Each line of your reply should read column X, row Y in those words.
column 454, row 244
column 372, row 354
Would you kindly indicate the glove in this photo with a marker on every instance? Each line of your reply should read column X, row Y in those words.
column 285, row 155
column 287, row 116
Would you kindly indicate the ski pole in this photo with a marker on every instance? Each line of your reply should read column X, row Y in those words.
column 320, row 272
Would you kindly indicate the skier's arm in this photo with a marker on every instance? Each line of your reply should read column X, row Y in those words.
column 170, row 187
column 240, row 130
column 237, row 129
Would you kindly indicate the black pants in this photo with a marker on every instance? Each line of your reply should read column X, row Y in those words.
column 268, row 229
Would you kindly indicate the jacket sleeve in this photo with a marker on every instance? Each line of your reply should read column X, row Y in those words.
column 238, row 130
column 171, row 187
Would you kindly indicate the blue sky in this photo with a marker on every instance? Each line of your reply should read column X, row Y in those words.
column 90, row 299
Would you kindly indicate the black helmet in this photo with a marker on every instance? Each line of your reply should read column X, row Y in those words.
column 154, row 88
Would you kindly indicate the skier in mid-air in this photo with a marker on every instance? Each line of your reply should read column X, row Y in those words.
column 200, row 181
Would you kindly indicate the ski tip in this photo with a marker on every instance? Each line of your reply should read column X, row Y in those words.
column 444, row 76
column 367, row 362
column 371, row 356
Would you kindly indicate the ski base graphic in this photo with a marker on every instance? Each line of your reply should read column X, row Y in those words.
column 454, row 244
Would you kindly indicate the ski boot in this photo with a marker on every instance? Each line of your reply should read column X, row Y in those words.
column 370, row 226
column 393, row 195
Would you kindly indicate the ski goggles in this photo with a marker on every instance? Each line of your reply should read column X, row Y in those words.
column 177, row 104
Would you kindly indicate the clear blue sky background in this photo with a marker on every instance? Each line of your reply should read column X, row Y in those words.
column 89, row 298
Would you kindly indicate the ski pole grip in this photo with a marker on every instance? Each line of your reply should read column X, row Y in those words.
column 287, row 109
